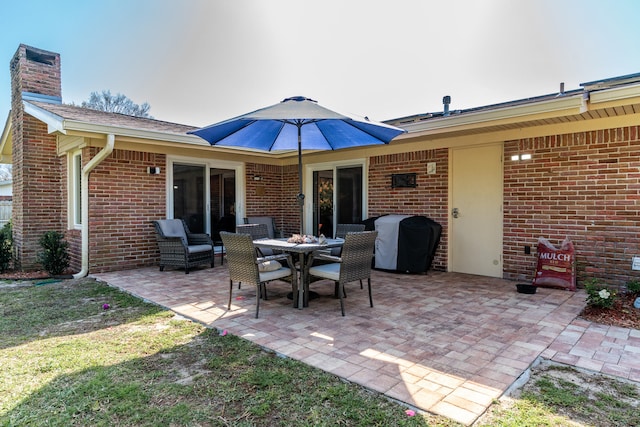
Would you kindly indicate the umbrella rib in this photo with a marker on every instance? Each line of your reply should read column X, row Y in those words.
column 282, row 123
column 351, row 123
column 249, row 123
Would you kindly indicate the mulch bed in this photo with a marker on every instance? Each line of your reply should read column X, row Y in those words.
column 31, row 275
column 621, row 314
column 24, row 275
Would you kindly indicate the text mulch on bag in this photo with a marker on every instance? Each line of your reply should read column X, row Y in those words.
column 556, row 266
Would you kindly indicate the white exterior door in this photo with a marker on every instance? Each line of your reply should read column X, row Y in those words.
column 476, row 210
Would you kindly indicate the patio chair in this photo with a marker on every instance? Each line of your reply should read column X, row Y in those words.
column 179, row 247
column 245, row 266
column 342, row 230
column 273, row 232
column 353, row 264
column 257, row 231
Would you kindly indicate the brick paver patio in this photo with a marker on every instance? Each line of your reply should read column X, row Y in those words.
column 445, row 343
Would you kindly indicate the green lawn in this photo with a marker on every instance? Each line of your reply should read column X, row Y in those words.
column 65, row 360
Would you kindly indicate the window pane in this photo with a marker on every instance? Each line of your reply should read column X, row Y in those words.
column 323, row 203
column 77, row 189
column 188, row 195
column 349, row 200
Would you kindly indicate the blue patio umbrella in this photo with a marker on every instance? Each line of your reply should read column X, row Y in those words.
column 297, row 123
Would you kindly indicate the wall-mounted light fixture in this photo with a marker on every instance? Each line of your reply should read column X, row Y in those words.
column 257, row 178
column 517, row 157
column 153, row 170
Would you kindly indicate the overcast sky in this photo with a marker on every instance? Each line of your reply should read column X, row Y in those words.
column 198, row 62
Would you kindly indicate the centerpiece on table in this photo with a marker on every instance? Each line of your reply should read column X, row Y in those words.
column 302, row 238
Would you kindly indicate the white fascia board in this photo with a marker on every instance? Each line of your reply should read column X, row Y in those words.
column 6, row 133
column 77, row 126
column 561, row 103
column 614, row 94
column 54, row 122
column 74, row 125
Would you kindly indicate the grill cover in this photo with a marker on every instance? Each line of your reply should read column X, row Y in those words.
column 418, row 240
column 386, row 254
column 405, row 243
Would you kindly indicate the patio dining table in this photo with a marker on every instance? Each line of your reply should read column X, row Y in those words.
column 304, row 250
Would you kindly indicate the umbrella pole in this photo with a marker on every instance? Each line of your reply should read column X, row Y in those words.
column 300, row 196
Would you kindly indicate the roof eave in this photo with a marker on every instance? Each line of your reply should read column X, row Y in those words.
column 54, row 122
column 5, row 141
column 615, row 94
column 505, row 114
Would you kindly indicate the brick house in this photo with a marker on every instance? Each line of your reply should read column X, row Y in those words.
column 495, row 177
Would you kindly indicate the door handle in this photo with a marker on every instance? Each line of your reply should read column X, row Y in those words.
column 455, row 212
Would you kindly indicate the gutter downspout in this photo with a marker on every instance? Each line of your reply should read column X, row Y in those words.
column 86, row 170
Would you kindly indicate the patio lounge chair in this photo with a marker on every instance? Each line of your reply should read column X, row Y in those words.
column 245, row 266
column 353, row 264
column 181, row 248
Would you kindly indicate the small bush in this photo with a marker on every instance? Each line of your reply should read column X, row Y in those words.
column 599, row 295
column 633, row 287
column 6, row 247
column 55, row 257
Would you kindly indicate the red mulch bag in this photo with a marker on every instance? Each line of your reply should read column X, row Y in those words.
column 556, row 267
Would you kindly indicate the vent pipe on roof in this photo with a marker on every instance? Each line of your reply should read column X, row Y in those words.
column 446, row 101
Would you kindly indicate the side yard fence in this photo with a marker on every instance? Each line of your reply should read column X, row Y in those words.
column 5, row 211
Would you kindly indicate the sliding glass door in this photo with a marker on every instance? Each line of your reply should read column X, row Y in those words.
column 206, row 196
column 338, row 198
column 189, row 198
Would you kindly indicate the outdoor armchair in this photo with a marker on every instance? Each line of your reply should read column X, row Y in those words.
column 179, row 247
column 353, row 264
column 244, row 266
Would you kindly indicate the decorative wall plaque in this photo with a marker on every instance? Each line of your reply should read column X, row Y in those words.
column 403, row 180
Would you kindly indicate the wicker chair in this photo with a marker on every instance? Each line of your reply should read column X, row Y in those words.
column 342, row 230
column 257, row 231
column 245, row 267
column 181, row 248
column 353, row 264
column 272, row 231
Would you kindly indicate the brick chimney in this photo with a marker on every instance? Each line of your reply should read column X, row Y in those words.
column 38, row 185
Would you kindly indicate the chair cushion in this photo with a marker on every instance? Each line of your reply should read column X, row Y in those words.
column 194, row 249
column 269, row 266
column 276, row 274
column 173, row 228
column 327, row 271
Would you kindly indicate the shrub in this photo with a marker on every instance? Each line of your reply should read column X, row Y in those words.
column 55, row 257
column 633, row 287
column 599, row 295
column 6, row 247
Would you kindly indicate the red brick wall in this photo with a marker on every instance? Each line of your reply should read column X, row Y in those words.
column 123, row 198
column 274, row 195
column 585, row 186
column 39, row 199
column 36, row 71
column 36, row 167
column 429, row 198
